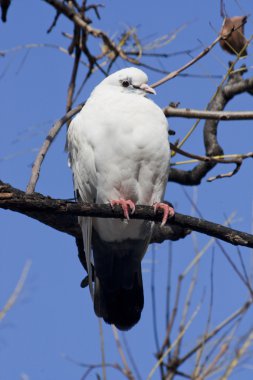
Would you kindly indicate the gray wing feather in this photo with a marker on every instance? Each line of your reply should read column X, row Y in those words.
column 84, row 178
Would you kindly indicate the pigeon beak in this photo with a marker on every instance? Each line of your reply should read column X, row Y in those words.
column 145, row 87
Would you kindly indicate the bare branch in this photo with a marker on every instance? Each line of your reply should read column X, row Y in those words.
column 241, row 311
column 170, row 348
column 211, row 115
column 226, row 175
column 236, row 159
column 235, row 85
column 90, row 367
column 131, row 358
column 75, row 45
column 102, row 347
column 175, row 73
column 35, row 206
column 95, row 8
column 127, row 370
column 13, row 298
column 43, row 150
column 97, row 33
column 239, row 353
column 224, row 159
column 54, row 22
column 69, row 224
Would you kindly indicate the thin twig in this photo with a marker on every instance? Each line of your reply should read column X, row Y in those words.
column 208, row 322
column 131, row 358
column 226, row 175
column 193, row 282
column 233, row 157
column 91, row 367
column 166, row 342
column 211, row 367
column 87, row 28
column 178, row 290
column 168, row 287
column 224, row 159
column 102, row 347
column 72, row 83
column 247, row 279
column 43, row 150
column 182, row 75
column 216, row 330
column 153, row 298
column 227, row 337
column 57, row 15
column 14, row 296
column 95, row 8
column 236, row 270
column 127, row 370
column 153, row 301
column 170, row 348
column 217, row 343
column 175, row 73
column 227, row 256
column 40, row 46
column 187, row 303
column 87, row 76
column 239, row 353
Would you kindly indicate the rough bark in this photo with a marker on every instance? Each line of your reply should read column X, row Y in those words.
column 56, row 213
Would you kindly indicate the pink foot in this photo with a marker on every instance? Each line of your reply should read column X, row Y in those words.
column 168, row 211
column 124, row 204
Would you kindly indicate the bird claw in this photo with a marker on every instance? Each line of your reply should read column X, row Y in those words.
column 124, row 205
column 168, row 211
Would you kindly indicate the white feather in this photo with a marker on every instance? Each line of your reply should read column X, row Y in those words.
column 118, row 148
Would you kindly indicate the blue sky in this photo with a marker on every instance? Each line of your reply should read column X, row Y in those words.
column 53, row 319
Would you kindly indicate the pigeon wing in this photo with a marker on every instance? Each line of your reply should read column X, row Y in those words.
column 82, row 162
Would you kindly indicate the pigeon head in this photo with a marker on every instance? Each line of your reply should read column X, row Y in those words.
column 129, row 80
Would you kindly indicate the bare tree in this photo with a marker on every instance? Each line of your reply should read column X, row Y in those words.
column 216, row 352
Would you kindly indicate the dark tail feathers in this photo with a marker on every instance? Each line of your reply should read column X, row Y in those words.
column 118, row 297
column 121, row 307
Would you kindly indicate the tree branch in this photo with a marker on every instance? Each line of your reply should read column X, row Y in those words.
column 42, row 208
column 68, row 223
column 97, row 33
column 191, row 177
column 43, row 150
column 175, row 73
column 211, row 115
column 235, row 85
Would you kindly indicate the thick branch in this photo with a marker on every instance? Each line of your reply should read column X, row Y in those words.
column 37, row 206
column 68, row 223
column 235, row 85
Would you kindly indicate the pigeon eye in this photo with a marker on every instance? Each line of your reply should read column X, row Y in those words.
column 125, row 83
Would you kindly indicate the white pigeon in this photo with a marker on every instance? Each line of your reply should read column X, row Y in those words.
column 119, row 153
